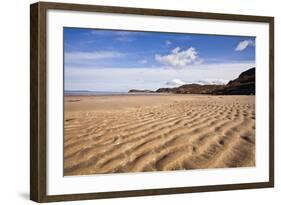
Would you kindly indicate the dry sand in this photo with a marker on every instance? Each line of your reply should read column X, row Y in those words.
column 113, row 134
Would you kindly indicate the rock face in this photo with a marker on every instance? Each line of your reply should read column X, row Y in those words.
column 192, row 89
column 243, row 85
column 140, row 91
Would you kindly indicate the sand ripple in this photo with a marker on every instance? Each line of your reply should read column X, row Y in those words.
column 180, row 133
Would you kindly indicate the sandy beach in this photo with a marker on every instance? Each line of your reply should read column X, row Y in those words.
column 136, row 133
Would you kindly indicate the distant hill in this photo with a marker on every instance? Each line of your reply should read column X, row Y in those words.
column 140, row 91
column 243, row 85
column 191, row 89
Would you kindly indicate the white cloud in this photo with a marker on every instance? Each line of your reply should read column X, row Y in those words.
column 179, row 59
column 176, row 50
column 111, row 32
column 100, row 32
column 124, row 39
column 125, row 33
column 212, row 82
column 175, row 83
column 122, row 36
column 85, row 56
column 167, row 42
column 143, row 61
column 242, row 45
column 124, row 79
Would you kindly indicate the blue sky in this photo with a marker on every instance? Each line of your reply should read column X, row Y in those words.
column 112, row 60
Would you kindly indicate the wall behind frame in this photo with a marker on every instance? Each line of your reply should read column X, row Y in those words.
column 14, row 102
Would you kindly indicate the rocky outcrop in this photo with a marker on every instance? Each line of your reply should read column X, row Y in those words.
column 243, row 85
column 191, row 89
column 140, row 91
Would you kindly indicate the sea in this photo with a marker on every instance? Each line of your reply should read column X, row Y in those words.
column 105, row 93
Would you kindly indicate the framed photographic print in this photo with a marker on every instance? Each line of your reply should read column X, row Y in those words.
column 133, row 102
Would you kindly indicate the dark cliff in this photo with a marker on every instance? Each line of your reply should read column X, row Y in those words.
column 243, row 85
